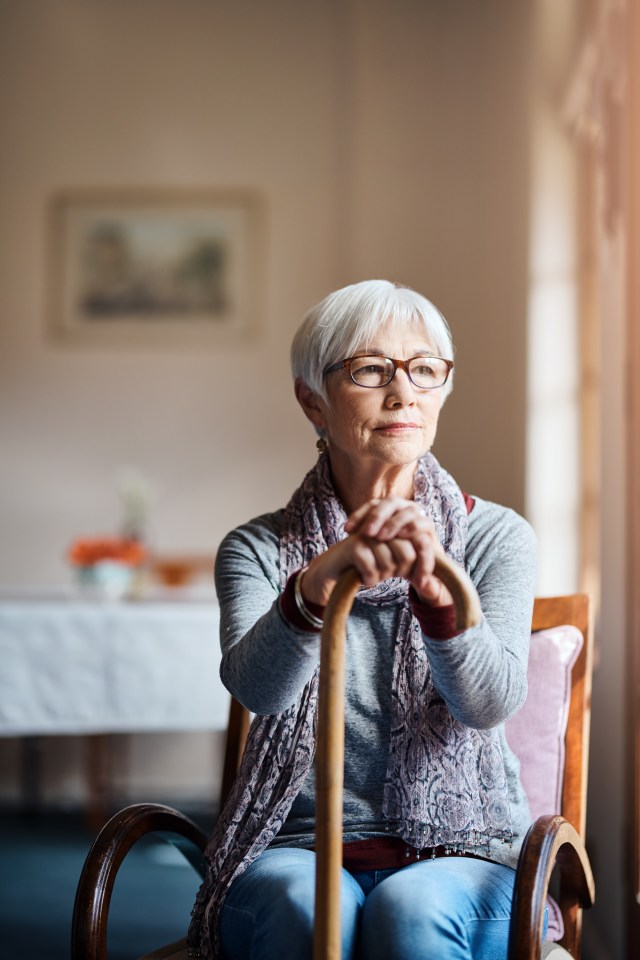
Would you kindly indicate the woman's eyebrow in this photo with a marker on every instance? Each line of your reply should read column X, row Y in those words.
column 422, row 350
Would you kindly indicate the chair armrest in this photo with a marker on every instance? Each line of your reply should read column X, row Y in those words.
column 550, row 841
column 117, row 837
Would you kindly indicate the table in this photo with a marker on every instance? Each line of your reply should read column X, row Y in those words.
column 73, row 666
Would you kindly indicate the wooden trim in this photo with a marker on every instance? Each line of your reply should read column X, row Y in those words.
column 113, row 843
column 575, row 610
column 550, row 843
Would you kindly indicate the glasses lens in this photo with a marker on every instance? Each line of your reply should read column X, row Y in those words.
column 371, row 371
column 428, row 372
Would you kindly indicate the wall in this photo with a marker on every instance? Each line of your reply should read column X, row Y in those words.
column 385, row 140
column 438, row 188
column 196, row 95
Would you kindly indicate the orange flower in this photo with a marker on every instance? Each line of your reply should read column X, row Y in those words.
column 85, row 551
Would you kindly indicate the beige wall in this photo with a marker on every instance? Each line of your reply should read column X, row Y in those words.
column 196, row 95
column 386, row 139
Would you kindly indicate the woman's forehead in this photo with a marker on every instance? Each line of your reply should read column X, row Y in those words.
column 411, row 336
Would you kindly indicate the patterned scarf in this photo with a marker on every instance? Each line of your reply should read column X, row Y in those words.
column 445, row 782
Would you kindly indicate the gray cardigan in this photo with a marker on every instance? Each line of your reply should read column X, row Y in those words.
column 480, row 673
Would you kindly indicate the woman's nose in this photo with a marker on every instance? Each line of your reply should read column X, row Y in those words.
column 400, row 391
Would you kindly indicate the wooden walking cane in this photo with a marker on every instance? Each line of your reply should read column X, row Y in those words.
column 330, row 749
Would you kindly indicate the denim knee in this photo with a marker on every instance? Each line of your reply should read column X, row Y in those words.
column 456, row 909
column 269, row 910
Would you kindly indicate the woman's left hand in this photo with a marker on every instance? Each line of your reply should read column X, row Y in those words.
column 411, row 537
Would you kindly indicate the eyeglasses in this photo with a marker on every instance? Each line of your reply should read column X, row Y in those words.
column 426, row 373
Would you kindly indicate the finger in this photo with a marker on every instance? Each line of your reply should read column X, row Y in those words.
column 378, row 561
column 386, row 565
column 380, row 513
column 425, row 560
column 370, row 560
column 434, row 592
column 423, row 579
column 355, row 519
column 407, row 522
column 404, row 555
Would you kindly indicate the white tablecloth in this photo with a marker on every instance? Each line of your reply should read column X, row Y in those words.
column 74, row 667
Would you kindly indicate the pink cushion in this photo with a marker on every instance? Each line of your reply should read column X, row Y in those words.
column 536, row 733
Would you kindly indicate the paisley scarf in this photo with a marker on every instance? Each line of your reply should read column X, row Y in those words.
column 445, row 782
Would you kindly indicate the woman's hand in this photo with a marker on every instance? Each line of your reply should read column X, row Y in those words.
column 387, row 538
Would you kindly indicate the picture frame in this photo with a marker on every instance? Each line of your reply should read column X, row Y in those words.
column 154, row 267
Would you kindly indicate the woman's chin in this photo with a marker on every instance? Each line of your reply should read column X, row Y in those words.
column 399, row 450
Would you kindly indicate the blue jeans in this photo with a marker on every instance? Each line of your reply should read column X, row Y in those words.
column 453, row 908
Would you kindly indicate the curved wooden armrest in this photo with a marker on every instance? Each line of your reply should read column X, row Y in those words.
column 551, row 840
column 93, row 896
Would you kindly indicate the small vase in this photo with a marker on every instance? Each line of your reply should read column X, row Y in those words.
column 106, row 580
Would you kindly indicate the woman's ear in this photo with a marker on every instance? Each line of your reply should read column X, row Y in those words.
column 312, row 404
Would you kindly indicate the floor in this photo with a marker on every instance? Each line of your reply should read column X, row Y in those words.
column 42, row 857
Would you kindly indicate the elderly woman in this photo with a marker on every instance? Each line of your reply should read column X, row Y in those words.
column 433, row 807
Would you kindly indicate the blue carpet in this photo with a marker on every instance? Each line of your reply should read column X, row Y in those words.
column 40, row 863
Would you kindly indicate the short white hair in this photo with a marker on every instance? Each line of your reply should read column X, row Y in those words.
column 349, row 319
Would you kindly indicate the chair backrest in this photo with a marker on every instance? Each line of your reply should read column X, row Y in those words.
column 573, row 610
column 237, row 730
column 549, row 613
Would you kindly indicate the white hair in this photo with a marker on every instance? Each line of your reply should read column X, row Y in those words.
column 348, row 319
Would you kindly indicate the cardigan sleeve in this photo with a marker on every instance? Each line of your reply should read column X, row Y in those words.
column 482, row 673
column 266, row 661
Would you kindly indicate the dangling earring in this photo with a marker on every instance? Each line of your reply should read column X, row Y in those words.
column 321, row 446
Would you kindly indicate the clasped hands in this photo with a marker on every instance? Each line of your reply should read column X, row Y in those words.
column 387, row 538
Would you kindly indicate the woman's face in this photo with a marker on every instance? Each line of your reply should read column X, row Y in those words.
column 393, row 425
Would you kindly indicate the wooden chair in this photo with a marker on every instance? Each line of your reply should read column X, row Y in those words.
column 554, row 842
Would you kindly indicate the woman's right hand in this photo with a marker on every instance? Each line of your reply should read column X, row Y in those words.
column 387, row 538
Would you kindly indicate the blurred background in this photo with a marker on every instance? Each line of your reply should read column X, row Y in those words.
column 479, row 152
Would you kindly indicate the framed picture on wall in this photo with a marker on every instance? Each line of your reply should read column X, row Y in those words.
column 157, row 266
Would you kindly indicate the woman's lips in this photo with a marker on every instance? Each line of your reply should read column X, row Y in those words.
column 397, row 427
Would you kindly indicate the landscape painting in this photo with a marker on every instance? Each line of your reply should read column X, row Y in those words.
column 155, row 265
